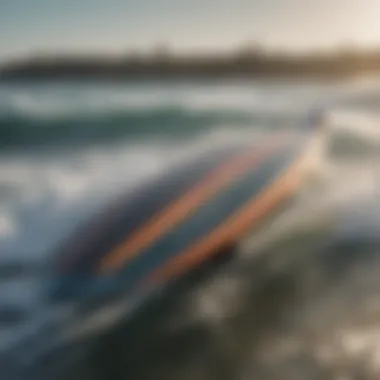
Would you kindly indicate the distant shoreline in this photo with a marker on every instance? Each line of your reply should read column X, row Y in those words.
column 163, row 66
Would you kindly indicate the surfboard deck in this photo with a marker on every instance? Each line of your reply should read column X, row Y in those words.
column 182, row 218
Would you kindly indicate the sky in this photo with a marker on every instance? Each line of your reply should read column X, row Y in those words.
column 114, row 26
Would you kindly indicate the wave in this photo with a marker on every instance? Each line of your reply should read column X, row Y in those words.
column 70, row 113
column 68, row 99
column 164, row 121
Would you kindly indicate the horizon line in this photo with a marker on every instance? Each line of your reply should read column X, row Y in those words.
column 166, row 49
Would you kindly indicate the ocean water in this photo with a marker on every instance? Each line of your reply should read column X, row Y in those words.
column 68, row 148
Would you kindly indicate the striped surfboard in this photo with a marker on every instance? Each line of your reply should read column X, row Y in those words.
column 181, row 219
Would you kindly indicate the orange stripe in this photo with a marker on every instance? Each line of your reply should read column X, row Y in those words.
column 180, row 209
column 235, row 227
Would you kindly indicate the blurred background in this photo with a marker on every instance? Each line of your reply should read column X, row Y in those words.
column 96, row 97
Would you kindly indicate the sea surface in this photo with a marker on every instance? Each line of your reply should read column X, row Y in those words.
column 68, row 148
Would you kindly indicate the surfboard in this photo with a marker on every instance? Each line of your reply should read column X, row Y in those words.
column 178, row 220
